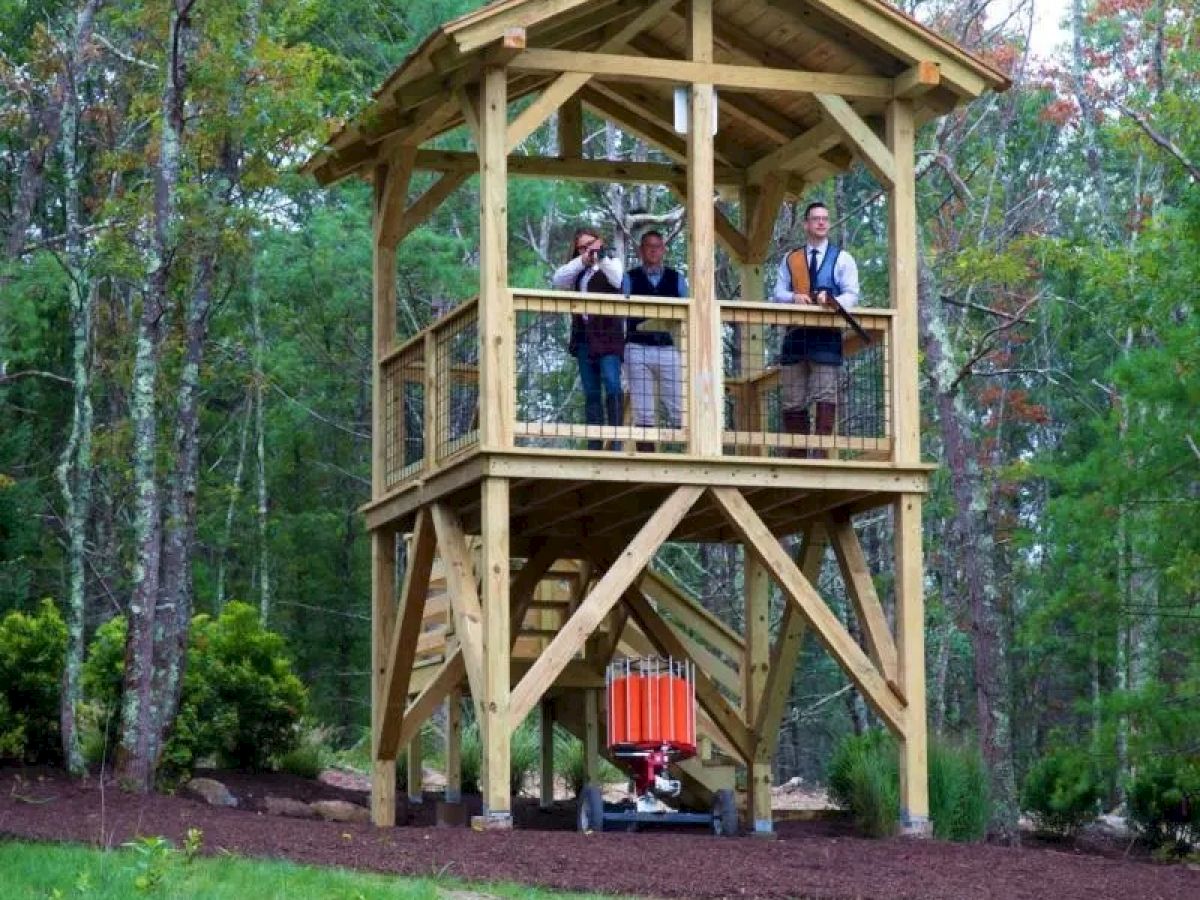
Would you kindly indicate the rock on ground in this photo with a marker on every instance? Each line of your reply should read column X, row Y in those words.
column 211, row 792
column 340, row 811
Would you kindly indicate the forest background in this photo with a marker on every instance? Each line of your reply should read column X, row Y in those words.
column 185, row 360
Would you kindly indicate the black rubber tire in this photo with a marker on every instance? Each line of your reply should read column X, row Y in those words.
column 725, row 815
column 591, row 809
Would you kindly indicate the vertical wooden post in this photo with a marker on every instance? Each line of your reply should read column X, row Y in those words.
column 432, row 439
column 755, row 666
column 497, row 654
column 902, row 266
column 591, row 736
column 454, row 746
column 383, row 323
column 546, row 795
column 383, row 618
column 570, row 129
column 910, row 647
column 416, row 771
column 497, row 401
column 705, row 401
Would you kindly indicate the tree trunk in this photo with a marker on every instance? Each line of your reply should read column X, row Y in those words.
column 75, row 466
column 235, row 494
column 264, row 570
column 140, row 714
column 977, row 562
column 174, row 615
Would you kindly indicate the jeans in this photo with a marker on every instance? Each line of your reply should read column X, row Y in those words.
column 601, row 373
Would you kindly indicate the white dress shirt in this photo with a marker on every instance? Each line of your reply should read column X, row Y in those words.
column 845, row 273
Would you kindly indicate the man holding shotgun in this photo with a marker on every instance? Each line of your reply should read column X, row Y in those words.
column 822, row 275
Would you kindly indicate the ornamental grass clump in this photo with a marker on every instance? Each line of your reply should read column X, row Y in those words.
column 864, row 778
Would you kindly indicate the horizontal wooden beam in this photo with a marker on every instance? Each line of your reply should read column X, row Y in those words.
column 917, row 81
column 620, row 67
column 570, row 169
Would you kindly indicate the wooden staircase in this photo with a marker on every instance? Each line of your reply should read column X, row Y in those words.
column 712, row 644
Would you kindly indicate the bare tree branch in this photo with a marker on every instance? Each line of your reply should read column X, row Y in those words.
column 1160, row 139
column 6, row 378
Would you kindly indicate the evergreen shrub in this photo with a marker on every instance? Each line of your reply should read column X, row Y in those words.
column 241, row 701
column 1164, row 802
column 864, row 778
column 32, row 651
column 959, row 800
column 1063, row 790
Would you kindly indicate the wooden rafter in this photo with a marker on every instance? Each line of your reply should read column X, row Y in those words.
column 569, row 83
column 575, row 632
column 856, row 664
column 874, row 154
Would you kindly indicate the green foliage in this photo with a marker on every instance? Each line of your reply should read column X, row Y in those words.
column 864, row 777
column 526, row 752
column 71, row 870
column 1063, row 790
column 959, row 803
column 247, row 700
column 1164, row 802
column 153, row 856
column 304, row 761
column 32, row 649
column 241, row 700
column 569, row 763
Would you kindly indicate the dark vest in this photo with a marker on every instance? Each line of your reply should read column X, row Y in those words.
column 640, row 285
column 818, row 345
column 600, row 335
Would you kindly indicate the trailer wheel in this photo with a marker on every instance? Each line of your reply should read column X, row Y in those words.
column 591, row 809
column 724, row 813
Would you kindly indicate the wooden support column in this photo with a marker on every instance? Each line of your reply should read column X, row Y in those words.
column 705, row 394
column 570, row 129
column 496, row 325
column 910, row 638
column 546, row 789
column 497, row 655
column 383, row 320
column 416, row 772
column 755, row 667
column 454, row 747
column 383, row 617
column 902, row 268
column 591, row 736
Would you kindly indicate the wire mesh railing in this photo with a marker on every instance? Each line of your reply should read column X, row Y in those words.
column 431, row 414
column 569, row 396
column 600, row 372
column 787, row 396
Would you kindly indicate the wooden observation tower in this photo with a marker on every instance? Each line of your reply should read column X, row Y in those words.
column 528, row 557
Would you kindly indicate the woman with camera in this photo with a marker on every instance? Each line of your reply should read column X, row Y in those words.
column 597, row 342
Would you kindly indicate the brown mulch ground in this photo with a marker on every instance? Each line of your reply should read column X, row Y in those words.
column 809, row 859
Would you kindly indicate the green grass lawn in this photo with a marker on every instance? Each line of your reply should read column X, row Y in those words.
column 152, row 868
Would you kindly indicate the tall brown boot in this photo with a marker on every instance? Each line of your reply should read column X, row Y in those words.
column 645, row 446
column 826, row 423
column 796, row 421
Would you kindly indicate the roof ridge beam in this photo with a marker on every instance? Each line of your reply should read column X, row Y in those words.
column 619, row 67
